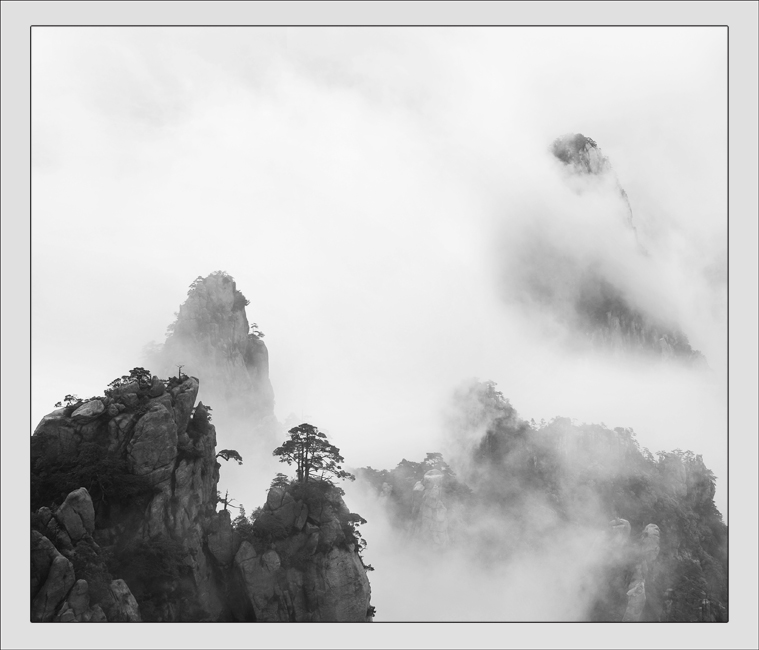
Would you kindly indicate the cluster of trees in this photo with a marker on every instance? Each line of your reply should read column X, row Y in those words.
column 69, row 400
column 142, row 377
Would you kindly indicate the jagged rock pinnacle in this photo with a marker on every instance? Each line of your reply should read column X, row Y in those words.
column 213, row 340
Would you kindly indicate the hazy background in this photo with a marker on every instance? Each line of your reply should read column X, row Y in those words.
column 361, row 185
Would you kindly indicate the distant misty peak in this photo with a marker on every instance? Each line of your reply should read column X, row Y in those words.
column 582, row 153
column 600, row 292
column 213, row 339
column 584, row 158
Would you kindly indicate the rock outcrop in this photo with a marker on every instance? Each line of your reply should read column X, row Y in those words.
column 150, row 465
column 302, row 561
column 624, row 574
column 61, row 541
column 52, row 578
column 644, row 569
column 76, row 608
column 430, row 513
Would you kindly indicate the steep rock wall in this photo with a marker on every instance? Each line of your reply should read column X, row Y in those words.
column 62, row 546
column 150, row 463
column 431, row 520
column 302, row 561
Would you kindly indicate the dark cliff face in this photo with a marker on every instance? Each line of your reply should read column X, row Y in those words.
column 70, row 580
column 146, row 458
column 213, row 339
column 300, row 559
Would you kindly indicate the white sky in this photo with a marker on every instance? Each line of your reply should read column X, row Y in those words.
column 354, row 182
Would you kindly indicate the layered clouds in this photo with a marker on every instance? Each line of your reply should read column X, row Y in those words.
column 379, row 195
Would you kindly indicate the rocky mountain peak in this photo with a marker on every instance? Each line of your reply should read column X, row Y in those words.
column 584, row 158
column 212, row 338
column 606, row 313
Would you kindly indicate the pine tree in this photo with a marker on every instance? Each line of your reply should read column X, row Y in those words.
column 312, row 454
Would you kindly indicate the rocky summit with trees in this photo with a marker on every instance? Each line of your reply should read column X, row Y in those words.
column 304, row 545
column 127, row 523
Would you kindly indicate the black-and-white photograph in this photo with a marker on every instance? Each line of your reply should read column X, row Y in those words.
column 379, row 324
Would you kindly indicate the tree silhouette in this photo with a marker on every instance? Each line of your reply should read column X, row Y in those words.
column 230, row 454
column 280, row 481
column 69, row 399
column 312, row 454
column 226, row 500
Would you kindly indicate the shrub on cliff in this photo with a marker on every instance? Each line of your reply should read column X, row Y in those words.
column 139, row 376
column 69, row 401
